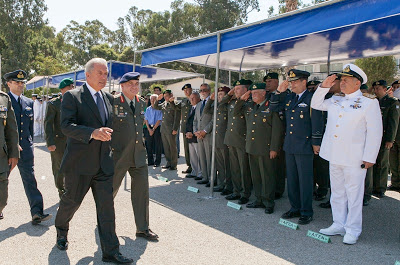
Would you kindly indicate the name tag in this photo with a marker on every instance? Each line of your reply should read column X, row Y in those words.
column 4, row 108
column 122, row 114
column 303, row 105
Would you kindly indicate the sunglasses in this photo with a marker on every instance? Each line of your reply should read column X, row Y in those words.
column 203, row 90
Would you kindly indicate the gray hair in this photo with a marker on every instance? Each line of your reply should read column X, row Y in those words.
column 90, row 64
column 207, row 85
column 196, row 94
column 153, row 96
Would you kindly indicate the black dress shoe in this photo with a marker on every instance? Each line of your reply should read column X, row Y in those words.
column 232, row 197
column 325, row 205
column 202, row 182
column 38, row 218
column 117, row 258
column 166, row 166
column 243, row 200
column 198, row 178
column 319, row 197
column 156, row 165
column 290, row 214
column 226, row 192
column 218, row 189
column 1, row 216
column 148, row 234
column 189, row 170
column 365, row 202
column 172, row 168
column 188, row 176
column 269, row 210
column 391, row 187
column 303, row 220
column 255, row 205
column 150, row 164
column 62, row 243
column 380, row 194
column 278, row 195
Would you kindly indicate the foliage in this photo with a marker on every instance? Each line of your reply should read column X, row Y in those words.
column 378, row 68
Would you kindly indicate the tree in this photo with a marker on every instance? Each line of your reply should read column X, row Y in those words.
column 103, row 51
column 378, row 68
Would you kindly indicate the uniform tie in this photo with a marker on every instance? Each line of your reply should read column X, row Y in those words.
column 100, row 106
column 297, row 98
column 19, row 102
column 132, row 107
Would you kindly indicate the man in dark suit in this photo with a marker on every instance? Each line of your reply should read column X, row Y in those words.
column 23, row 108
column 86, row 118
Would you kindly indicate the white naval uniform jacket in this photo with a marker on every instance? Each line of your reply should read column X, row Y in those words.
column 354, row 129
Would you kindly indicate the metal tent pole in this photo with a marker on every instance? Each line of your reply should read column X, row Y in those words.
column 110, row 75
column 213, row 171
column 75, row 79
column 230, row 78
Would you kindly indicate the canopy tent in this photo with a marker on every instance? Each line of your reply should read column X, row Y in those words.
column 331, row 31
column 117, row 70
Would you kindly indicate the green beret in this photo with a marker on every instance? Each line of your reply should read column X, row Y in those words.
column 271, row 76
column 243, row 82
column 256, row 86
column 65, row 82
column 364, row 86
column 168, row 91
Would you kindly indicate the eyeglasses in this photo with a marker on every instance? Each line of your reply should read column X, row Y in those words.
column 203, row 90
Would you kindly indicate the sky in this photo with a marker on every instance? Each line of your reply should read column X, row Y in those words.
column 60, row 13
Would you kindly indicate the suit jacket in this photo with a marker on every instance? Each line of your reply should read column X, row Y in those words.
column 24, row 118
column 127, row 138
column 79, row 118
column 189, row 126
column 202, row 121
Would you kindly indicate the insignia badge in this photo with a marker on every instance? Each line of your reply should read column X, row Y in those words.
column 142, row 113
column 5, row 122
column 303, row 105
column 237, row 83
column 268, row 77
column 266, row 103
column 347, row 69
column 121, row 98
column 3, row 108
column 291, row 74
column 28, row 108
column 254, row 86
column 20, row 75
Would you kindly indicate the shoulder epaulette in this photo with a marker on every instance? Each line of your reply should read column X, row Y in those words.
column 3, row 93
column 368, row 95
column 340, row 94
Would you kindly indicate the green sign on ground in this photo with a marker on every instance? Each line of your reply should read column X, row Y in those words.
column 320, row 237
column 234, row 205
column 397, row 262
column 163, row 179
column 289, row 224
column 196, row 190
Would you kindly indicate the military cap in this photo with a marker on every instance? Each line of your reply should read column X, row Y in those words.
column 395, row 82
column 186, row 86
column 18, row 75
column 313, row 83
column 364, row 86
column 148, row 94
column 271, row 76
column 243, row 82
column 65, row 82
column 354, row 71
column 167, row 91
column 295, row 74
column 34, row 95
column 129, row 76
column 39, row 98
column 224, row 89
column 257, row 86
column 50, row 97
column 379, row 83
column 55, row 95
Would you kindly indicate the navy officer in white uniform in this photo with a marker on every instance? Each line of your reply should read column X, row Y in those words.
column 351, row 144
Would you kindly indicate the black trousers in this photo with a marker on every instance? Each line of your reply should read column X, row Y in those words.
column 76, row 187
column 153, row 145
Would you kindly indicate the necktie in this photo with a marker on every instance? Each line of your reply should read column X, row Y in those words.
column 202, row 106
column 132, row 107
column 297, row 98
column 257, row 106
column 192, row 110
column 100, row 106
column 19, row 102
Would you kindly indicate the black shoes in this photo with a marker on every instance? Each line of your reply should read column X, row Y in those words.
column 379, row 194
column 305, row 220
column 117, row 258
column 167, row 166
column 226, row 192
column 278, row 195
column 218, row 189
column 188, row 176
column 172, row 168
column 391, row 187
column 269, row 210
column 325, row 205
column 150, row 164
column 62, row 243
column 1, row 216
column 38, row 218
column 319, row 197
column 202, row 182
column 290, row 215
column 232, row 197
column 188, row 170
column 243, row 200
column 198, row 178
column 148, row 234
column 255, row 205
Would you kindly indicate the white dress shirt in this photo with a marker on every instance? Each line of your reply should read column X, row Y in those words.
column 93, row 92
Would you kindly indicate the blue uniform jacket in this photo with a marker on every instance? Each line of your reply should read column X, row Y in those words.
column 24, row 117
column 304, row 126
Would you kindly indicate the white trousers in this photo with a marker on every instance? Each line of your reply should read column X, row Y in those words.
column 194, row 160
column 347, row 192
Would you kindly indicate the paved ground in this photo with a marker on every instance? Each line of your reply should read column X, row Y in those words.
column 193, row 229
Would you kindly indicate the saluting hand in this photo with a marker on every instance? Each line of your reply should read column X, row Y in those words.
column 329, row 81
column 245, row 96
column 102, row 134
column 212, row 96
column 390, row 92
column 283, row 86
column 160, row 97
column 231, row 92
column 171, row 99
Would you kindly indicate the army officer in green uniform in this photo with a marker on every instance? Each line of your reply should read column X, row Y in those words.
column 56, row 141
column 9, row 154
column 129, row 150
column 263, row 142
